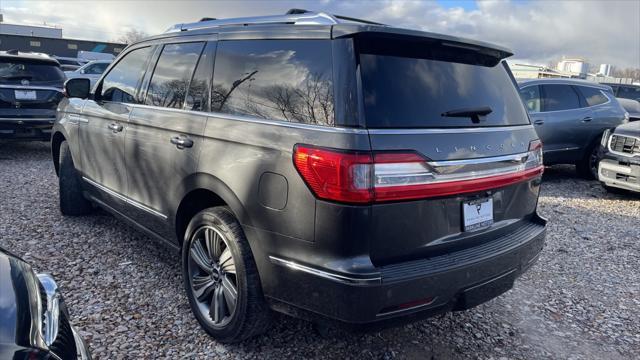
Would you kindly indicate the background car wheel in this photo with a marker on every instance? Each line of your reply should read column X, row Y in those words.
column 72, row 202
column 588, row 167
column 221, row 278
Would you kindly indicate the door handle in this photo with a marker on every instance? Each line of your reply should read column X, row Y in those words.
column 538, row 122
column 116, row 128
column 181, row 142
column 587, row 119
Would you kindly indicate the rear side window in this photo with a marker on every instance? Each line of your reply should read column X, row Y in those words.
column 15, row 71
column 96, row 69
column 560, row 97
column 289, row 80
column 593, row 96
column 172, row 74
column 121, row 82
column 531, row 98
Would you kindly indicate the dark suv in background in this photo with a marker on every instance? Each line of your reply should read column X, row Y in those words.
column 570, row 116
column 322, row 166
column 30, row 90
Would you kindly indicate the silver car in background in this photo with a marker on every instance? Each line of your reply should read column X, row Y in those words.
column 570, row 116
column 91, row 70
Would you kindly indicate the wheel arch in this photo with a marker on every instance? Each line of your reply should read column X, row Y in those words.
column 201, row 191
column 56, row 140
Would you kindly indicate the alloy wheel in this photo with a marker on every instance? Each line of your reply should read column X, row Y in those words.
column 212, row 276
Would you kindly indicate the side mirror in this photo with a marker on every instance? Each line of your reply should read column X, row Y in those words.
column 77, row 88
column 81, row 71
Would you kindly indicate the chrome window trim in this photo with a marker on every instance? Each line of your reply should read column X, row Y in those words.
column 621, row 153
column 373, row 280
column 125, row 199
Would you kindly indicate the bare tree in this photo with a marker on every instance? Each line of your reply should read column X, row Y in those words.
column 132, row 36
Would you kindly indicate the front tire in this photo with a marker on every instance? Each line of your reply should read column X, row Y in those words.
column 221, row 278
column 72, row 202
column 588, row 166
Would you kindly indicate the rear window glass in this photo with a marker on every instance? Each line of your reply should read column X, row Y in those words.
column 407, row 92
column 593, row 96
column 18, row 72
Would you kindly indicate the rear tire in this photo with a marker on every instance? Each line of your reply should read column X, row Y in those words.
column 72, row 202
column 221, row 278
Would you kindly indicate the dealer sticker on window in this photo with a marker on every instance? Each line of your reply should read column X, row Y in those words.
column 477, row 214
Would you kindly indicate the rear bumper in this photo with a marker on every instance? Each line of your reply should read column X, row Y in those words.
column 404, row 291
column 26, row 128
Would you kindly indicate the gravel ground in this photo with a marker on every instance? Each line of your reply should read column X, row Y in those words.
column 580, row 301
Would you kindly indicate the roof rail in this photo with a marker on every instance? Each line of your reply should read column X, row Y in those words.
column 293, row 17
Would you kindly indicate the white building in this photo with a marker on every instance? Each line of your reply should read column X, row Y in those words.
column 605, row 69
column 577, row 67
column 526, row 71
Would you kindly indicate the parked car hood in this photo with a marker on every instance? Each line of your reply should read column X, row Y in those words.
column 631, row 129
column 19, row 322
column 631, row 106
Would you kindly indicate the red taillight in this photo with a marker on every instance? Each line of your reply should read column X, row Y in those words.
column 364, row 177
column 335, row 175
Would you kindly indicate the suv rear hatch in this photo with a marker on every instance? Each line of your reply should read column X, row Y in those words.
column 456, row 161
column 29, row 87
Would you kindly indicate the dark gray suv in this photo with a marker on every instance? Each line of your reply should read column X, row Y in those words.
column 326, row 167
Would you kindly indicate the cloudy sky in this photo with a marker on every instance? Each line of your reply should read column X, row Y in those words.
column 538, row 31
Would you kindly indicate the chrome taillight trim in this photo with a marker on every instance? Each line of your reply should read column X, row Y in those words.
column 455, row 170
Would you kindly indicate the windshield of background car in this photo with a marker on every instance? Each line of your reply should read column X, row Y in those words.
column 16, row 72
column 413, row 89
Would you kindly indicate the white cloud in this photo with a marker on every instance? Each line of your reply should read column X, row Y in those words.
column 540, row 31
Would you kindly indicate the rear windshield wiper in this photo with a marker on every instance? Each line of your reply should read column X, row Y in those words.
column 476, row 114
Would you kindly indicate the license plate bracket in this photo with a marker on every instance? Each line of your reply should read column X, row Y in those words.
column 477, row 214
column 25, row 95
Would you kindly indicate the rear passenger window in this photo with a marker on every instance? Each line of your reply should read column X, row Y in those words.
column 560, row 97
column 287, row 80
column 593, row 96
column 531, row 97
column 171, row 77
column 198, row 94
column 121, row 82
